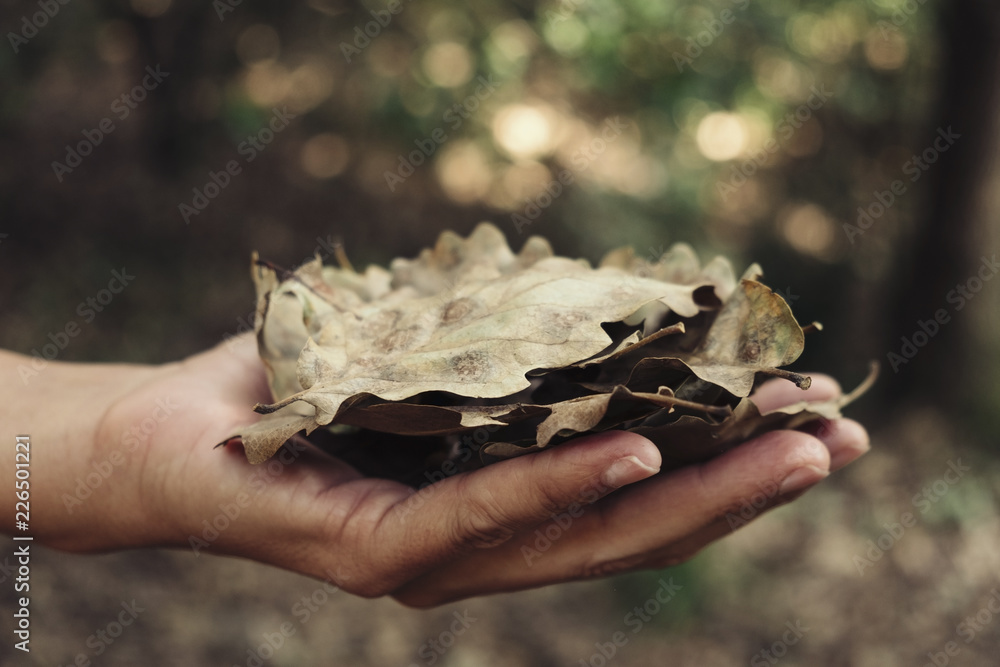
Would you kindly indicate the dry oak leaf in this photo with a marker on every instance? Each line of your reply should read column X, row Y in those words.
column 755, row 332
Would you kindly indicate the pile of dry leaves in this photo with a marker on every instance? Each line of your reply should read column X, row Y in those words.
column 471, row 348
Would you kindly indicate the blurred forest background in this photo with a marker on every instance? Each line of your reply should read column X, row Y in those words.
column 765, row 130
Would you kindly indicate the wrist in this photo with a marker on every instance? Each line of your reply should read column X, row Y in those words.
column 62, row 408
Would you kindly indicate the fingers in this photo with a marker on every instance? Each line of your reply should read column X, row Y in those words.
column 846, row 439
column 657, row 523
column 487, row 507
column 778, row 393
column 776, row 463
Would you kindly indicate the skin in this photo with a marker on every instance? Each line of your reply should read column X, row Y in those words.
column 318, row 516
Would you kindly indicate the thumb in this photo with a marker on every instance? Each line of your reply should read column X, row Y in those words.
column 486, row 507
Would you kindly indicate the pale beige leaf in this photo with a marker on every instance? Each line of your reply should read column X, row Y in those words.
column 482, row 342
column 483, row 255
column 265, row 437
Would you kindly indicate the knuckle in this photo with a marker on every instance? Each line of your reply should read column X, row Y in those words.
column 482, row 528
column 487, row 519
column 544, row 489
column 481, row 522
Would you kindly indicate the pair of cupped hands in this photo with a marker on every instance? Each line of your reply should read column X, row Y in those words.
column 472, row 533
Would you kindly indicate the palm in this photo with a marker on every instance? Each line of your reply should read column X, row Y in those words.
column 197, row 404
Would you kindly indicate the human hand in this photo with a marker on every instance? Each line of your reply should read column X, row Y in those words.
column 470, row 534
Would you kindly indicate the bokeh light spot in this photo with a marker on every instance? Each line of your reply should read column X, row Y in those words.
column 116, row 42
column 463, row 172
column 309, row 84
column 886, row 49
column 514, row 39
column 722, row 136
column 779, row 77
column 448, row 64
column 568, row 36
column 523, row 131
column 524, row 180
column 266, row 83
column 324, row 156
column 808, row 229
column 390, row 56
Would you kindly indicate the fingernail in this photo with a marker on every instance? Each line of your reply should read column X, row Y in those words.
column 847, row 440
column 802, row 478
column 627, row 471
